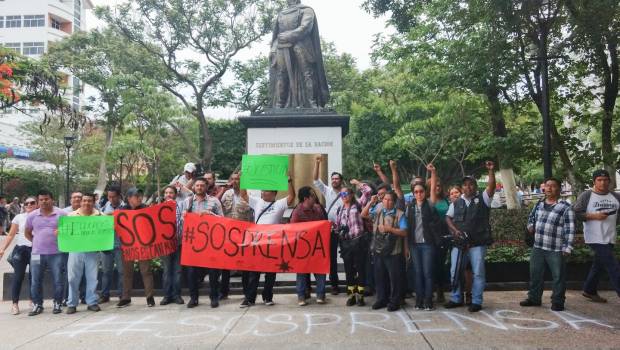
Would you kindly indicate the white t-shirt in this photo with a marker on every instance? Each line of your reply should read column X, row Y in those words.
column 273, row 215
column 601, row 231
column 20, row 238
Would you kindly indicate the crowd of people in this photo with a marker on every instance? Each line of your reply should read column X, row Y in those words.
column 393, row 245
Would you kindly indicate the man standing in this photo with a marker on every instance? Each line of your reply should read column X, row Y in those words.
column 134, row 202
column 333, row 202
column 235, row 207
column 267, row 211
column 213, row 189
column 203, row 204
column 41, row 229
column 552, row 222
column 468, row 220
column 14, row 209
column 83, row 264
column 598, row 209
column 110, row 257
column 172, row 262
column 75, row 202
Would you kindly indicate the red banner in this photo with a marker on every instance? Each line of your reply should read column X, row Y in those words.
column 221, row 243
column 147, row 233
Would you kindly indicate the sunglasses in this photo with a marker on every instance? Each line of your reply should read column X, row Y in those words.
column 419, row 191
column 31, row 203
column 344, row 194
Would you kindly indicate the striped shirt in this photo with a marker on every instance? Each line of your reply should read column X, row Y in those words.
column 554, row 226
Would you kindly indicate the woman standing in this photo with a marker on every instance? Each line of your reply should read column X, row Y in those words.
column 353, row 246
column 20, row 257
column 441, row 205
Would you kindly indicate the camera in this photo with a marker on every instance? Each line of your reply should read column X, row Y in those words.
column 342, row 231
column 460, row 241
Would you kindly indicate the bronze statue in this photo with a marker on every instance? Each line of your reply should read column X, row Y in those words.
column 297, row 75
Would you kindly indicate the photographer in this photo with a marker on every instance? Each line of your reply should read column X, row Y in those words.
column 184, row 183
column 468, row 220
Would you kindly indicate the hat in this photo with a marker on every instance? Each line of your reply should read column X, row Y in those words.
column 470, row 178
column 189, row 167
column 134, row 192
column 600, row 173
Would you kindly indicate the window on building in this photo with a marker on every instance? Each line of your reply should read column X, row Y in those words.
column 34, row 48
column 17, row 47
column 55, row 24
column 34, row 21
column 1, row 21
column 13, row 21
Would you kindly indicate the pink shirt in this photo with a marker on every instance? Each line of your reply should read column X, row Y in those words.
column 44, row 241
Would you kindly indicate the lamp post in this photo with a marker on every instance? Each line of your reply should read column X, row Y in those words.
column 69, row 142
column 120, row 177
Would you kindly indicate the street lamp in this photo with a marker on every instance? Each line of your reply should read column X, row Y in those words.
column 69, row 142
column 121, row 175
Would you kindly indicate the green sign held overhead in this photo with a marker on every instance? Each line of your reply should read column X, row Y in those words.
column 83, row 234
column 264, row 173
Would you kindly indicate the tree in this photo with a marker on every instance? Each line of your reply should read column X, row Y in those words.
column 194, row 43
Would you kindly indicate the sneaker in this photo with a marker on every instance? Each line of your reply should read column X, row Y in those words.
column 94, row 308
column 393, row 307
column 320, row 301
column 269, row 302
column 123, row 303
column 192, row 303
column 179, row 301
column 150, row 301
column 595, row 298
column 429, row 307
column 103, row 299
column 352, row 300
column 36, row 309
column 165, row 301
column 301, row 302
column 419, row 307
column 557, row 307
column 71, row 310
column 214, row 303
column 15, row 309
column 57, row 308
column 528, row 302
column 335, row 290
column 378, row 305
column 474, row 308
column 451, row 305
column 245, row 303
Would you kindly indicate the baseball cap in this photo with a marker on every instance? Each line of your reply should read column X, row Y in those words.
column 600, row 173
column 470, row 178
column 134, row 192
column 189, row 167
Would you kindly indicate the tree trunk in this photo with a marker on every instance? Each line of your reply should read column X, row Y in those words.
column 510, row 188
column 205, row 141
column 103, row 172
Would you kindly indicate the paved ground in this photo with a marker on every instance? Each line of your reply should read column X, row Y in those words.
column 502, row 324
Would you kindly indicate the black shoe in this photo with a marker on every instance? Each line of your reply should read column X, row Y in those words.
column 352, row 300
column 57, row 308
column 165, row 301
column 192, row 303
column 179, row 301
column 429, row 306
column 557, row 307
column 94, row 308
column 474, row 307
column 393, row 307
column 378, row 305
column 245, row 303
column 360, row 300
column 71, row 310
column 103, row 299
column 150, row 301
column 451, row 304
column 335, row 290
column 36, row 309
column 528, row 302
column 123, row 303
column 214, row 303
column 419, row 306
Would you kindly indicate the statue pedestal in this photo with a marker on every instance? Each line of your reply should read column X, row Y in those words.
column 301, row 134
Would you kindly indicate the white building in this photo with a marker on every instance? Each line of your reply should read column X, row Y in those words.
column 28, row 27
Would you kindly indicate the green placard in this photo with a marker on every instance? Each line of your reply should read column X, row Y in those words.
column 264, row 173
column 85, row 234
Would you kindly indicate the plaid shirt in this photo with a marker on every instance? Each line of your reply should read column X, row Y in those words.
column 554, row 227
column 352, row 218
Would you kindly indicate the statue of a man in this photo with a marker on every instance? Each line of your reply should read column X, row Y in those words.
column 297, row 75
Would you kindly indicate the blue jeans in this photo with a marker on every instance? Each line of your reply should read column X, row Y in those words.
column 82, row 264
column 424, row 264
column 603, row 259
column 557, row 266
column 301, row 285
column 38, row 265
column 475, row 255
column 108, row 259
column 172, row 274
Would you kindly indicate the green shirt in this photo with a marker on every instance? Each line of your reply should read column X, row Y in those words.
column 442, row 207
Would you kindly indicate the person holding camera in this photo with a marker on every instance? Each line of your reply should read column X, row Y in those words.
column 388, row 248
column 184, row 183
column 598, row 209
column 468, row 221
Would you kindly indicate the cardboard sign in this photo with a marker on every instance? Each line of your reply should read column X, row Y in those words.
column 264, row 173
column 222, row 243
column 147, row 233
column 85, row 234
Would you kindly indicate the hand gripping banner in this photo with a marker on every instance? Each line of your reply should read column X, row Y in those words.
column 147, row 233
column 222, row 243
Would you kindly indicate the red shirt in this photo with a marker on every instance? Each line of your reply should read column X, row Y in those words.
column 303, row 214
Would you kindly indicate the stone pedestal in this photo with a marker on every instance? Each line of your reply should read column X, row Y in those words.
column 301, row 134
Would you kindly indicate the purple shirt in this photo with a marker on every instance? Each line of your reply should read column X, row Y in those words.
column 44, row 241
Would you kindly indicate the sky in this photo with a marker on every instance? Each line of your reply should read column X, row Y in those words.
column 342, row 22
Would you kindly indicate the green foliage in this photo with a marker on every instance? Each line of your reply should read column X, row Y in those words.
column 229, row 145
column 509, row 225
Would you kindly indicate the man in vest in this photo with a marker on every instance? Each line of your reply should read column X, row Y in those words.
column 468, row 220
